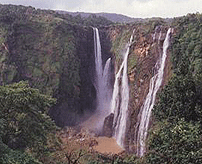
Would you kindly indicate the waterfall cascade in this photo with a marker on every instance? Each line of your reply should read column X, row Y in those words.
column 120, row 99
column 102, row 81
column 145, row 111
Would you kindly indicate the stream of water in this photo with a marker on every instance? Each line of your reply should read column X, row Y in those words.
column 120, row 99
column 102, row 81
column 145, row 112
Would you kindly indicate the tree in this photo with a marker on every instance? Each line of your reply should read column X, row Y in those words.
column 24, row 119
column 177, row 132
column 179, row 100
column 179, row 142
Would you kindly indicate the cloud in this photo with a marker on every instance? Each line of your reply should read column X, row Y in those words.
column 143, row 8
column 134, row 8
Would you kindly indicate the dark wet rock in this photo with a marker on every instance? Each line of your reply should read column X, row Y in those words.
column 108, row 126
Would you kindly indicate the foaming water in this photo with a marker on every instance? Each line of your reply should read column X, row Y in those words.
column 145, row 112
column 102, row 85
column 120, row 99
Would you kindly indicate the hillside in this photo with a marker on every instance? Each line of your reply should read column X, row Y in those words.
column 116, row 18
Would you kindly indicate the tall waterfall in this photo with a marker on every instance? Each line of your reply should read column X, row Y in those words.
column 102, row 80
column 145, row 111
column 120, row 99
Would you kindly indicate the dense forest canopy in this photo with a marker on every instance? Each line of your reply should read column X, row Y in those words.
column 24, row 122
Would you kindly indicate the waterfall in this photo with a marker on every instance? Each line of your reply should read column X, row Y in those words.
column 98, row 66
column 145, row 111
column 107, row 89
column 102, row 82
column 120, row 99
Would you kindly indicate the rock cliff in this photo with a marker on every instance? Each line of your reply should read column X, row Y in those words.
column 57, row 56
column 144, row 53
column 53, row 53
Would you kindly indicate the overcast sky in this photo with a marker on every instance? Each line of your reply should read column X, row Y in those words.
column 133, row 8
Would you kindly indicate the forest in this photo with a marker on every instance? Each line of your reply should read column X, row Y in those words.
column 43, row 56
column 177, row 133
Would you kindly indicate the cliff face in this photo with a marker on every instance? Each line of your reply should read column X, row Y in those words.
column 54, row 55
column 144, row 53
column 73, row 104
column 147, row 51
column 58, row 62
column 57, row 57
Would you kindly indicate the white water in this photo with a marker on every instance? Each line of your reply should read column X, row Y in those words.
column 155, row 84
column 120, row 108
column 159, row 37
column 154, row 36
column 98, row 65
column 102, row 81
column 107, row 90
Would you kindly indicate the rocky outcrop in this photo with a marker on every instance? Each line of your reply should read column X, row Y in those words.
column 144, row 53
column 108, row 126
column 148, row 49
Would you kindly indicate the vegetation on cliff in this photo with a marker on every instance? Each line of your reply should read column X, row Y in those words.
column 177, row 134
column 91, row 20
column 53, row 52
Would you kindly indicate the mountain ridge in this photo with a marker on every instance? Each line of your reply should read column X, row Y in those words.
column 116, row 18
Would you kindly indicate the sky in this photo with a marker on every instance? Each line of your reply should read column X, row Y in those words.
column 132, row 8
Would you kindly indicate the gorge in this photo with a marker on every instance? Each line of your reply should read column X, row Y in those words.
column 138, row 83
column 120, row 96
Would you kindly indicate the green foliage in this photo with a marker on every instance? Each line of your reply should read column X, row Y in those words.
column 42, row 49
column 70, row 63
column 95, row 21
column 9, row 156
column 178, row 142
column 92, row 20
column 179, row 100
column 114, row 159
column 149, row 25
column 187, row 44
column 12, row 13
column 177, row 134
column 120, row 42
column 24, row 121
